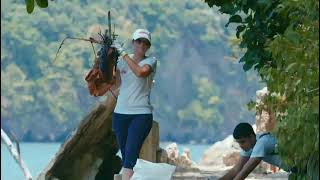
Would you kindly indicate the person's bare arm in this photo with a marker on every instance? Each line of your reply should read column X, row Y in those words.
column 139, row 71
column 247, row 168
column 236, row 169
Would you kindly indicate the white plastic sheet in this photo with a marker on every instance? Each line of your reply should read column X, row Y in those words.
column 145, row 170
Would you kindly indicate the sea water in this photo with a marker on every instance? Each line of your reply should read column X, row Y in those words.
column 38, row 155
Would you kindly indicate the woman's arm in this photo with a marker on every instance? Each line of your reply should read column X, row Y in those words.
column 139, row 71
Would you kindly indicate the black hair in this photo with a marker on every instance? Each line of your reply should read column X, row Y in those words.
column 243, row 130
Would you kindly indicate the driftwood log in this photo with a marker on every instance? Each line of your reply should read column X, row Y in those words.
column 90, row 153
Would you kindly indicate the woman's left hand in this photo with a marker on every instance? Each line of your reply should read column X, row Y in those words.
column 119, row 47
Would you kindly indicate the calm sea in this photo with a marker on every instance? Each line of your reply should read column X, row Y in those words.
column 38, row 155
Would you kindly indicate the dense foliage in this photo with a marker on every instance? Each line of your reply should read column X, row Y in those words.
column 281, row 38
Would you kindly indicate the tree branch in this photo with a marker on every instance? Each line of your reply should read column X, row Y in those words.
column 16, row 155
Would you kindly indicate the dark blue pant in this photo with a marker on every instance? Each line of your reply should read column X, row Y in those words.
column 131, row 130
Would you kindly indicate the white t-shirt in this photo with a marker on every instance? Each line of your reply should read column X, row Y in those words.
column 134, row 94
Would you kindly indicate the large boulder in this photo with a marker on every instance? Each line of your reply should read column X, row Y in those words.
column 222, row 153
column 182, row 161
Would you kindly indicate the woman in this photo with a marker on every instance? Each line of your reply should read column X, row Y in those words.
column 132, row 117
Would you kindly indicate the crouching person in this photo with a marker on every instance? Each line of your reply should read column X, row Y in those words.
column 254, row 149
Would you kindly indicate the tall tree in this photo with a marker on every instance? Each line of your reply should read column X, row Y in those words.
column 281, row 41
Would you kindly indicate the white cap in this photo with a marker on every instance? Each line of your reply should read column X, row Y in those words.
column 142, row 33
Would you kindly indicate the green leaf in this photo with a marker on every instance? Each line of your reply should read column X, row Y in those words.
column 290, row 66
column 251, row 105
column 228, row 8
column 247, row 65
column 234, row 19
column 243, row 59
column 293, row 37
column 315, row 104
column 240, row 29
column 42, row 3
column 297, row 82
column 263, row 2
column 29, row 5
column 209, row 2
